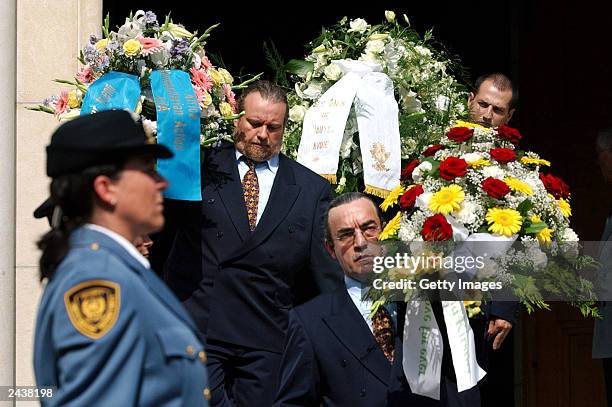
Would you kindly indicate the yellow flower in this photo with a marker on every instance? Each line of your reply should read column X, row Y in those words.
column 226, row 76
column 565, row 207
column 536, row 161
column 481, row 162
column 544, row 235
column 225, row 109
column 461, row 123
column 447, row 199
column 215, row 76
column 518, row 186
column 206, row 99
column 132, row 47
column 393, row 197
column 101, row 45
column 472, row 308
column 391, row 228
column 506, row 222
column 74, row 99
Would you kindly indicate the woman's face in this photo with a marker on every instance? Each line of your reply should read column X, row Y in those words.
column 138, row 196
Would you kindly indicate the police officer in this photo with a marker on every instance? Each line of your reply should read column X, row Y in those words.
column 108, row 331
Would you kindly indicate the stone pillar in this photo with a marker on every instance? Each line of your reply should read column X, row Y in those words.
column 8, row 65
column 50, row 34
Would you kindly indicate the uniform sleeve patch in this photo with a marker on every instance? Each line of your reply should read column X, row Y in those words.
column 93, row 307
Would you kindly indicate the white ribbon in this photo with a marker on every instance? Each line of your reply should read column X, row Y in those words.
column 423, row 348
column 377, row 120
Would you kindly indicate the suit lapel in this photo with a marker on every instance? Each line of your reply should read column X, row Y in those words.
column 282, row 197
column 353, row 332
column 222, row 173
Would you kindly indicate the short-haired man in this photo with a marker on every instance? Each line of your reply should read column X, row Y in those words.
column 250, row 250
column 337, row 353
column 493, row 100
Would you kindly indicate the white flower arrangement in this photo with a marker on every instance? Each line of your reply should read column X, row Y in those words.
column 477, row 185
column 429, row 97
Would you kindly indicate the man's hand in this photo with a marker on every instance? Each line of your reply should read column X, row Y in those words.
column 499, row 329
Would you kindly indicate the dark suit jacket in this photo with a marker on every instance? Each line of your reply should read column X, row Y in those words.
column 332, row 359
column 237, row 285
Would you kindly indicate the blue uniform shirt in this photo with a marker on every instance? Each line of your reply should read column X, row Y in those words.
column 110, row 333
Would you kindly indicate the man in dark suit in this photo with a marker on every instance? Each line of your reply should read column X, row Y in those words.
column 492, row 103
column 337, row 352
column 250, row 250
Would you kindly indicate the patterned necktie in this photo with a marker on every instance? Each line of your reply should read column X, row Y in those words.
column 382, row 328
column 250, row 189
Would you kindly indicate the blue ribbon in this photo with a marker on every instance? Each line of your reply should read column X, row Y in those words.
column 114, row 90
column 178, row 128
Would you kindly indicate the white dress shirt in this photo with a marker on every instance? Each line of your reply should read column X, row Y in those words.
column 266, row 172
column 358, row 294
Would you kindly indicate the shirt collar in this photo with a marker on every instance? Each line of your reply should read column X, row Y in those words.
column 126, row 244
column 355, row 288
column 271, row 164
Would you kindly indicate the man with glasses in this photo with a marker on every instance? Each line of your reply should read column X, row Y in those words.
column 337, row 351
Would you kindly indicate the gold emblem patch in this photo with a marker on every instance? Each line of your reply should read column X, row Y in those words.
column 380, row 156
column 93, row 307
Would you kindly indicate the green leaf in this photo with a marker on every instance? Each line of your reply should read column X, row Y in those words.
column 524, row 207
column 41, row 108
column 106, row 25
column 299, row 67
column 536, row 227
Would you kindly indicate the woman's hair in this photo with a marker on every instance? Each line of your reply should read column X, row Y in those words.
column 73, row 197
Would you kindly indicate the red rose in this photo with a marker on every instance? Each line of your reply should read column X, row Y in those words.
column 503, row 155
column 407, row 172
column 432, row 150
column 460, row 134
column 495, row 188
column 436, row 228
column 409, row 198
column 509, row 133
column 555, row 186
column 452, row 168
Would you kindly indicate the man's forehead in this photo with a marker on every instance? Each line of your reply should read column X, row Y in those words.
column 359, row 211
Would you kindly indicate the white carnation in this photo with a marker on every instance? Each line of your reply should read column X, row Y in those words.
column 493, row 171
column 422, row 168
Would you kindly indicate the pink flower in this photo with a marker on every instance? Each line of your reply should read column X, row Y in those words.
column 230, row 96
column 149, row 45
column 200, row 78
column 85, row 75
column 199, row 94
column 62, row 103
column 206, row 62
